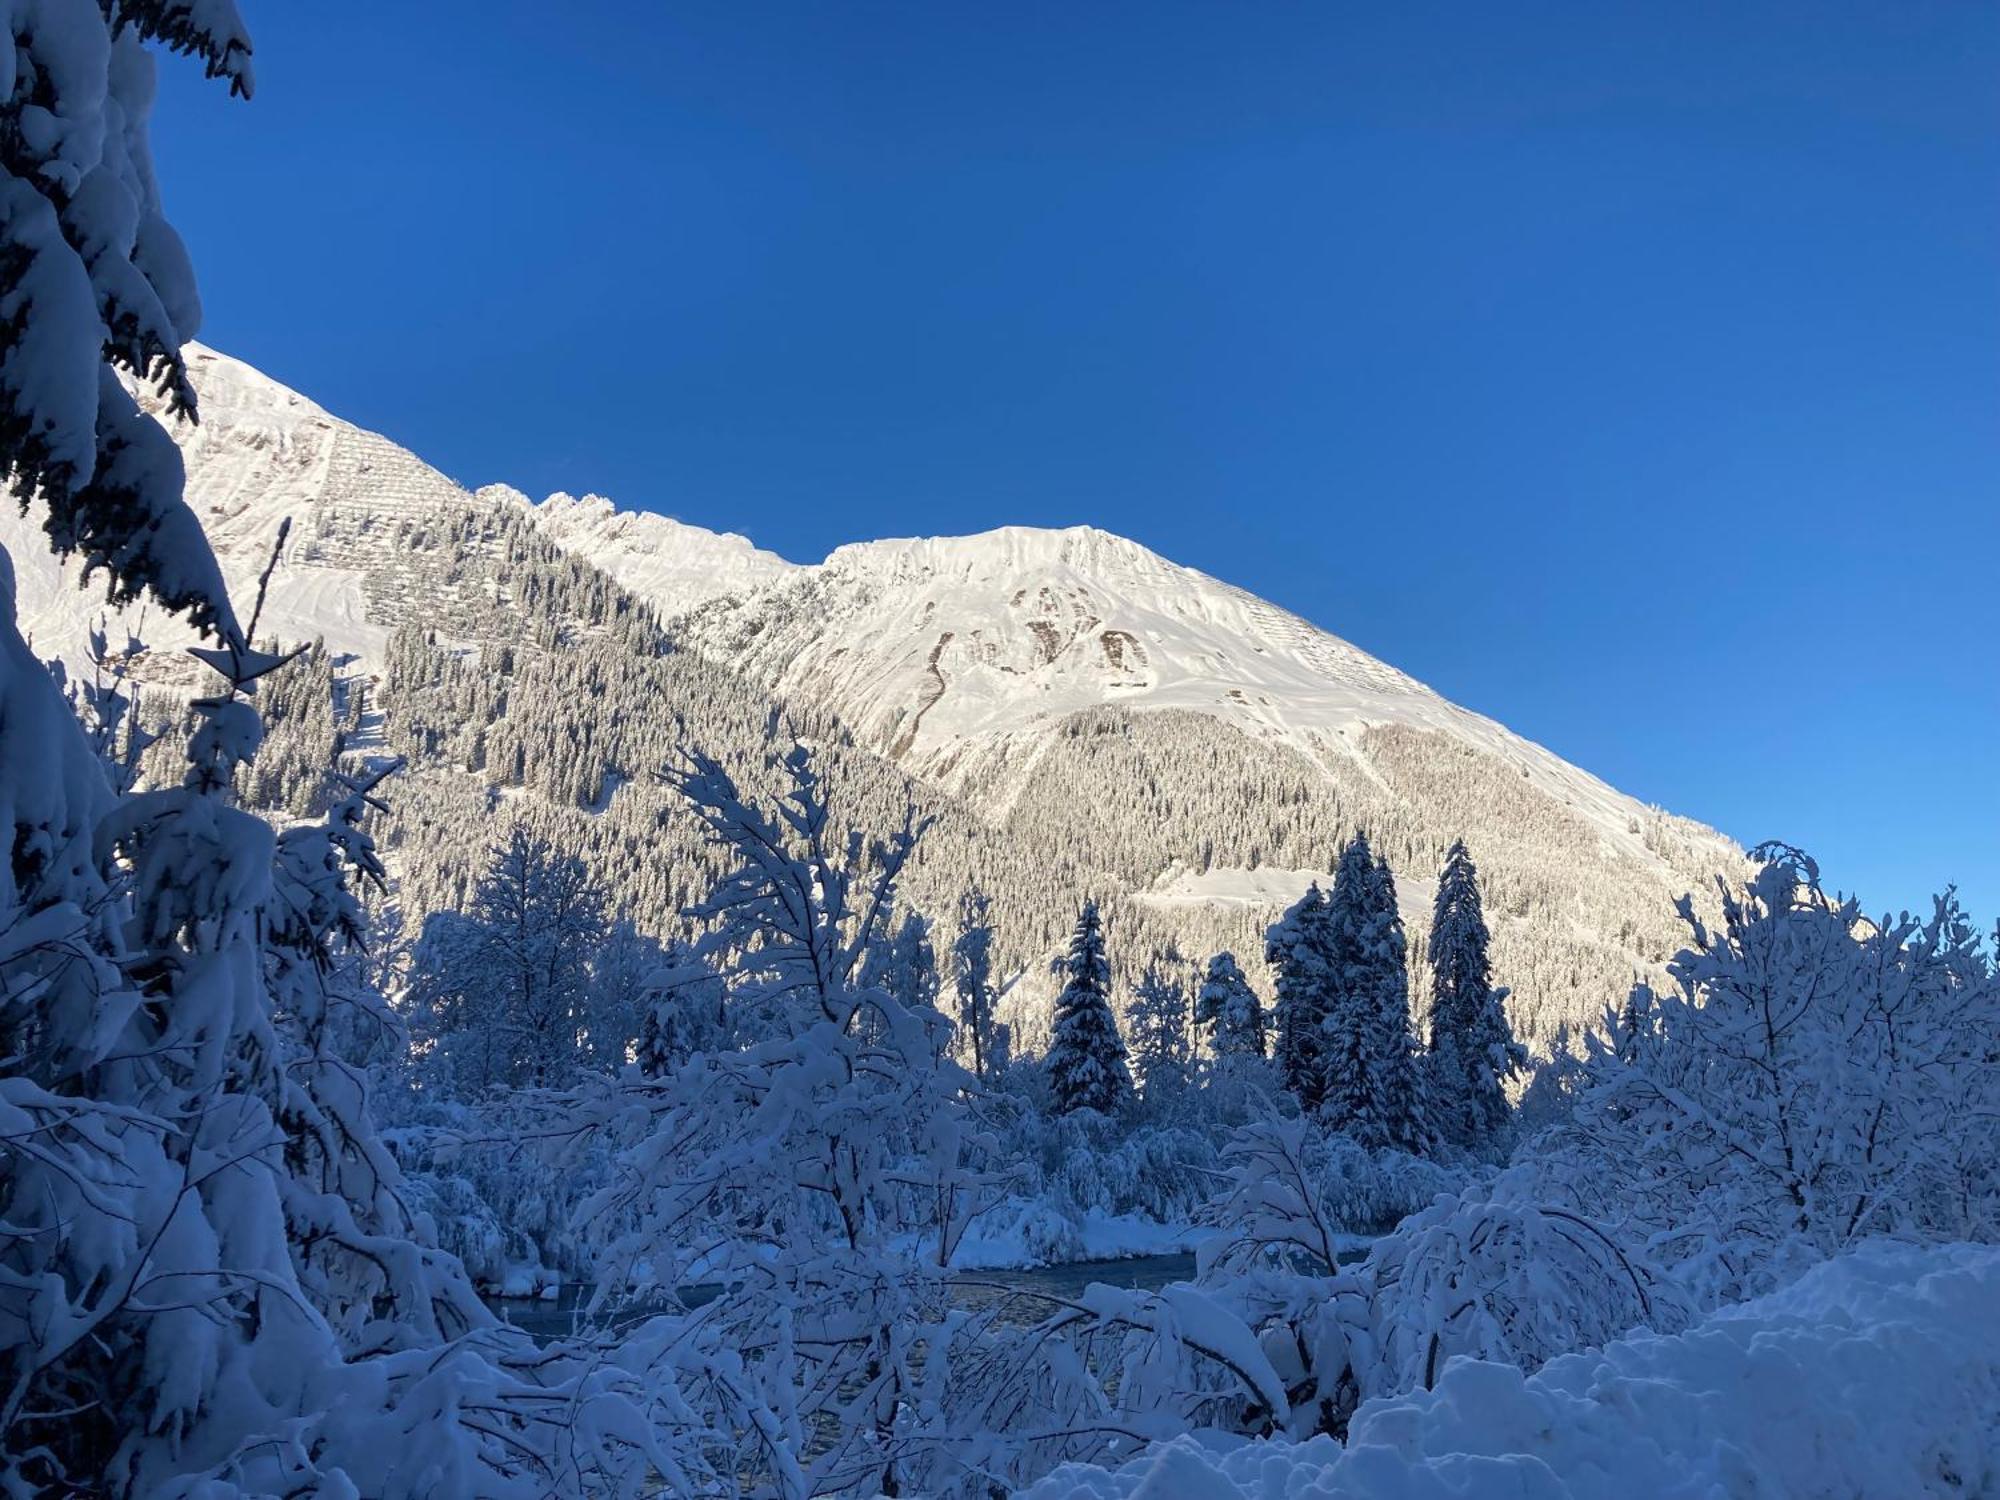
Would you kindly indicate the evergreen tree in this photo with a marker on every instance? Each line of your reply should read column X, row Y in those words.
column 685, row 1012
column 1406, row 1109
column 972, row 981
column 912, row 975
column 624, row 972
column 505, row 990
column 1086, row 1058
column 1472, row 1048
column 1230, row 1010
column 1374, row 1091
column 1635, row 1022
column 1162, row 1042
column 1299, row 946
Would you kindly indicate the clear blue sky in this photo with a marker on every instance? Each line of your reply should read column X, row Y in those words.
column 1630, row 373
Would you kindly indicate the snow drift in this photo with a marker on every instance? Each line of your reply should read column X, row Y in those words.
column 1875, row 1374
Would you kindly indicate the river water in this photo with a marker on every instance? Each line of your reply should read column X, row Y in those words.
column 1030, row 1291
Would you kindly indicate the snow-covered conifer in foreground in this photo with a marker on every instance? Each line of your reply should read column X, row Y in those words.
column 207, row 1286
column 1299, row 948
column 1373, row 1089
column 1086, row 1057
column 1472, row 1048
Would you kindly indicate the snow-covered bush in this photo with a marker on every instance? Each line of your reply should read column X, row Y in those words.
column 818, row 1173
column 1295, row 1195
column 1811, row 1079
column 493, row 1201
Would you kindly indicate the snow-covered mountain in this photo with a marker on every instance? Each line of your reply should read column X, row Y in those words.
column 1108, row 722
column 956, row 655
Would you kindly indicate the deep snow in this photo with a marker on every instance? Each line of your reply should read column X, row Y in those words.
column 1875, row 1375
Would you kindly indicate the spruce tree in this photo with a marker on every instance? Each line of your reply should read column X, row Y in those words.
column 505, row 990
column 1373, row 1091
column 972, row 981
column 1299, row 946
column 1406, row 1108
column 1086, row 1058
column 1472, row 1048
column 1348, row 1098
column 1162, row 1043
column 913, row 973
column 1230, row 1010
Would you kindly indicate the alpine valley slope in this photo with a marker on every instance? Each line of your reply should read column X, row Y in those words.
column 1086, row 717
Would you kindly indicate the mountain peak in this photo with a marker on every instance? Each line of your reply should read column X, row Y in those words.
column 1000, row 552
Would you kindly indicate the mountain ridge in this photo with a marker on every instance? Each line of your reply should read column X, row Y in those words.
column 1117, row 724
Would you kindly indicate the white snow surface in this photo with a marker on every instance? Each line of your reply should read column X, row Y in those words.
column 1876, row 1375
column 261, row 453
column 659, row 558
column 951, row 654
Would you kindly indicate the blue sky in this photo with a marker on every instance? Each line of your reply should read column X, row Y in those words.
column 1628, row 372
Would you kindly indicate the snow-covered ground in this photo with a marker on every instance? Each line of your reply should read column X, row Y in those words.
column 1876, row 1375
column 1022, row 1234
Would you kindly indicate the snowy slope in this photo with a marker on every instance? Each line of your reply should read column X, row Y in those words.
column 934, row 649
column 1874, row 1375
column 658, row 558
column 930, row 647
column 262, row 452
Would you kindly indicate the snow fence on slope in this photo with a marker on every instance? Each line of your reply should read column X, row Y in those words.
column 1875, row 1375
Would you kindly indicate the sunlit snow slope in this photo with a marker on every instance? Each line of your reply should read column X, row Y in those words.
column 262, row 453
column 932, row 648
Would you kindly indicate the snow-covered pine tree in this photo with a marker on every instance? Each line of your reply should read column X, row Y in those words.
column 618, row 995
column 165, row 1281
column 685, row 1012
column 1300, row 948
column 1230, row 1010
column 1086, row 1058
column 505, row 990
column 1472, row 1048
column 913, row 972
column 1634, row 1022
column 973, row 983
column 94, row 281
column 1374, row 1091
column 1162, row 1040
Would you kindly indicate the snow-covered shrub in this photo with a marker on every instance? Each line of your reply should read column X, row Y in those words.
column 1165, row 1173
column 1493, row 1274
column 818, row 1173
column 1295, row 1195
column 1083, row 1163
column 1812, row 1079
column 493, row 1198
column 1487, row 1273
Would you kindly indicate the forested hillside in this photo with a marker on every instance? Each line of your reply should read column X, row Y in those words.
column 482, row 639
